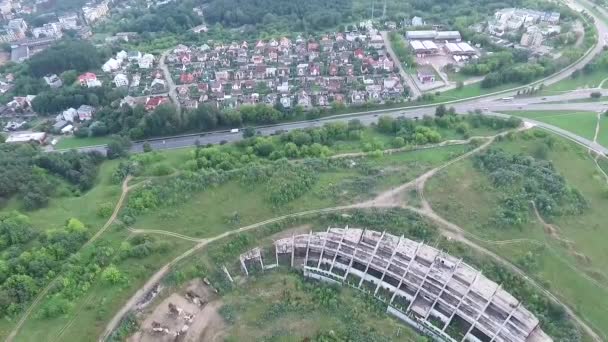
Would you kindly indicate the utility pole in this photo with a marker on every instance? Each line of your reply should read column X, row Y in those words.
column 384, row 10
column 373, row 4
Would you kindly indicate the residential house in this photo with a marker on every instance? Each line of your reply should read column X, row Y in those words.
column 68, row 115
column 121, row 56
column 314, row 70
column 217, row 87
column 146, row 61
column 67, row 129
column 134, row 56
column 302, row 69
column 386, row 63
column 181, row 49
column 53, row 81
column 89, row 80
column 286, row 101
column 357, row 97
column 135, row 80
column 111, row 65
column 333, row 69
column 85, row 112
column 304, row 99
column 376, row 41
column 186, row 78
column 154, row 101
column 426, row 75
column 21, row 103
column 283, row 87
column 222, row 75
column 121, row 80
column 190, row 104
column 157, row 86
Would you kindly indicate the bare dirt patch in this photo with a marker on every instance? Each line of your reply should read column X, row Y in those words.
column 188, row 315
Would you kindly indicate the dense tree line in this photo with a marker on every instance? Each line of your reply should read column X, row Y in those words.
column 68, row 54
column 175, row 17
column 296, row 16
column 522, row 179
column 53, row 101
column 165, row 120
column 34, row 176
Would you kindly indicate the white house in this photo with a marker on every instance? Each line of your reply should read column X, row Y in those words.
column 121, row 80
column 121, row 55
column 69, row 115
column 67, row 129
column 146, row 61
column 111, row 65
column 134, row 56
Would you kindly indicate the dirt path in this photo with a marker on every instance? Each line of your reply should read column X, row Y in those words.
column 391, row 198
column 125, row 189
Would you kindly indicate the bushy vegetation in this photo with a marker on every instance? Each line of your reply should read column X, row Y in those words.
column 35, row 176
column 29, row 258
column 524, row 179
column 292, row 16
column 405, row 55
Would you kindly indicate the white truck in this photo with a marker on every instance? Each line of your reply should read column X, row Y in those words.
column 234, row 130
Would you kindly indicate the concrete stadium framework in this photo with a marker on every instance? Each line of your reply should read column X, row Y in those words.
column 433, row 291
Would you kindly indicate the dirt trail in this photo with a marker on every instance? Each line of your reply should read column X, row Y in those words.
column 125, row 189
column 391, row 198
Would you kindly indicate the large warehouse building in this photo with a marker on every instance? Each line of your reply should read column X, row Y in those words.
column 433, row 35
column 423, row 286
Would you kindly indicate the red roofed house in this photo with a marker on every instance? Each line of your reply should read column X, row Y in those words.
column 359, row 54
column 155, row 101
column 186, row 78
column 89, row 80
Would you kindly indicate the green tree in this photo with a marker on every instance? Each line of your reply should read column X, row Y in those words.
column 386, row 124
column 118, row 147
column 112, row 275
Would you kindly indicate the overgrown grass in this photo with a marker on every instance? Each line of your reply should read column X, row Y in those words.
column 230, row 206
column 577, row 274
column 294, row 312
column 87, row 318
column 579, row 123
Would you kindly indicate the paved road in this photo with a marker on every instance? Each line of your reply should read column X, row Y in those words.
column 490, row 108
column 411, row 83
column 172, row 92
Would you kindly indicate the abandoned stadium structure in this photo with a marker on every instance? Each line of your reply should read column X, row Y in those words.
column 435, row 292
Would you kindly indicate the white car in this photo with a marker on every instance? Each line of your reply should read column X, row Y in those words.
column 234, row 130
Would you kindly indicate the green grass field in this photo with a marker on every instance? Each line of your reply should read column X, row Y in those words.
column 208, row 213
column 602, row 137
column 73, row 142
column 470, row 91
column 465, row 196
column 261, row 313
column 579, row 123
column 82, row 207
column 583, row 81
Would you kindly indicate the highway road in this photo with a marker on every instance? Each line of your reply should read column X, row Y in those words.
column 488, row 108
